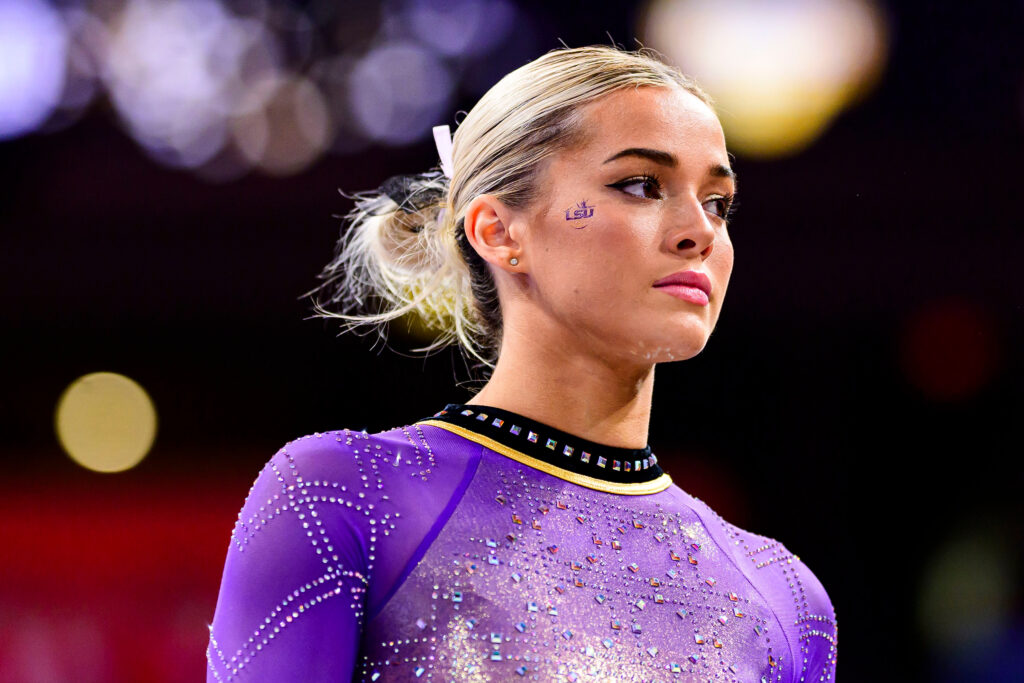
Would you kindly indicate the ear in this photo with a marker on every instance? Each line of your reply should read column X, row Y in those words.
column 491, row 230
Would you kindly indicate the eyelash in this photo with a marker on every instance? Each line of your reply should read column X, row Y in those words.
column 729, row 200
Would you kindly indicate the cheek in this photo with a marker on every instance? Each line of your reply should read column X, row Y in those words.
column 593, row 270
column 720, row 263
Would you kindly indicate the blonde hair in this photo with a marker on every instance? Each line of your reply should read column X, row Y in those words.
column 405, row 250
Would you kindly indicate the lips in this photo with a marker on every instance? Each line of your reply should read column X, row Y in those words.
column 687, row 278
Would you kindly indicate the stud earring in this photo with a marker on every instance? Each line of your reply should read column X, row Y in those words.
column 514, row 261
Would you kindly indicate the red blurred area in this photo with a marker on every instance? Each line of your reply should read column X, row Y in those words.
column 951, row 348
column 112, row 577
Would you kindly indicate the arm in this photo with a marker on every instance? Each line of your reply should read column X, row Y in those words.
column 291, row 599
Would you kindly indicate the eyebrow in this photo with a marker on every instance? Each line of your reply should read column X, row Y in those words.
column 666, row 159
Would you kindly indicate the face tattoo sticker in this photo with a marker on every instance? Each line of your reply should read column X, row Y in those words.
column 579, row 212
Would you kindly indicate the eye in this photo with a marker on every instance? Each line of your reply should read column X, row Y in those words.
column 721, row 206
column 646, row 181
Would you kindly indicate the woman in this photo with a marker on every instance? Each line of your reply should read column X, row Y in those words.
column 579, row 236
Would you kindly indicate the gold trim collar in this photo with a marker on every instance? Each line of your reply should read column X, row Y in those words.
column 628, row 489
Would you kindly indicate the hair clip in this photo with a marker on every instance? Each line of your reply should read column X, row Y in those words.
column 443, row 140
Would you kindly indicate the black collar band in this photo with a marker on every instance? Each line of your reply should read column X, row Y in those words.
column 553, row 446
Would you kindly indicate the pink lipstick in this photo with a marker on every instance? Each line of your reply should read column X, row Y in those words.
column 688, row 285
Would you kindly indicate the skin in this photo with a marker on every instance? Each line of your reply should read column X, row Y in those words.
column 583, row 325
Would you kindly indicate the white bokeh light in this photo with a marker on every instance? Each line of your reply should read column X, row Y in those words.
column 398, row 91
column 33, row 49
column 460, row 27
column 178, row 70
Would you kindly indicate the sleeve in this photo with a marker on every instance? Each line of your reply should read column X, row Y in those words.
column 816, row 624
column 292, row 596
column 798, row 598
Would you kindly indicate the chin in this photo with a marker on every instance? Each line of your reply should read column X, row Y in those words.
column 684, row 352
column 663, row 349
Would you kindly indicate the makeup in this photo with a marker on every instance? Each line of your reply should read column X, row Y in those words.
column 688, row 285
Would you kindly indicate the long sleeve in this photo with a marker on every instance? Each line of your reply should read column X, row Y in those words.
column 292, row 597
column 331, row 527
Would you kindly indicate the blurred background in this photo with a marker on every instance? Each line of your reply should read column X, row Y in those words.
column 171, row 173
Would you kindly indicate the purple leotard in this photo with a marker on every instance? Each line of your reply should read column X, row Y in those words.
column 495, row 548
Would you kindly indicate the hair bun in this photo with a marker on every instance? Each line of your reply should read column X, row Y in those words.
column 414, row 192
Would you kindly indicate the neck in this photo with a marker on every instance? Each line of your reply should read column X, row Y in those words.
column 582, row 394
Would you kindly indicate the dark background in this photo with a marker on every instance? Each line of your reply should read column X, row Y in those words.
column 860, row 400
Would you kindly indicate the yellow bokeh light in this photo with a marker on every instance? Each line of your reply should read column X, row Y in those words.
column 779, row 72
column 105, row 422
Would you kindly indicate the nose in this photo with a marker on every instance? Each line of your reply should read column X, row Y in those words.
column 690, row 231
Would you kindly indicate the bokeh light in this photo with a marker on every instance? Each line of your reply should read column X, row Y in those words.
column 968, row 593
column 950, row 349
column 177, row 71
column 779, row 72
column 219, row 88
column 33, row 49
column 106, row 422
column 289, row 132
column 398, row 91
column 460, row 27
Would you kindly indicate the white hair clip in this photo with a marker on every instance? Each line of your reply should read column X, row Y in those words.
column 443, row 140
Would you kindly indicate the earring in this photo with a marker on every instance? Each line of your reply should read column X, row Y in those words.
column 514, row 261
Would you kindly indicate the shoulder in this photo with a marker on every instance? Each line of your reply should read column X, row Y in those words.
column 347, row 458
column 794, row 592
column 780, row 569
column 350, row 473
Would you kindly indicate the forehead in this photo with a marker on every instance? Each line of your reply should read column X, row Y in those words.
column 665, row 118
